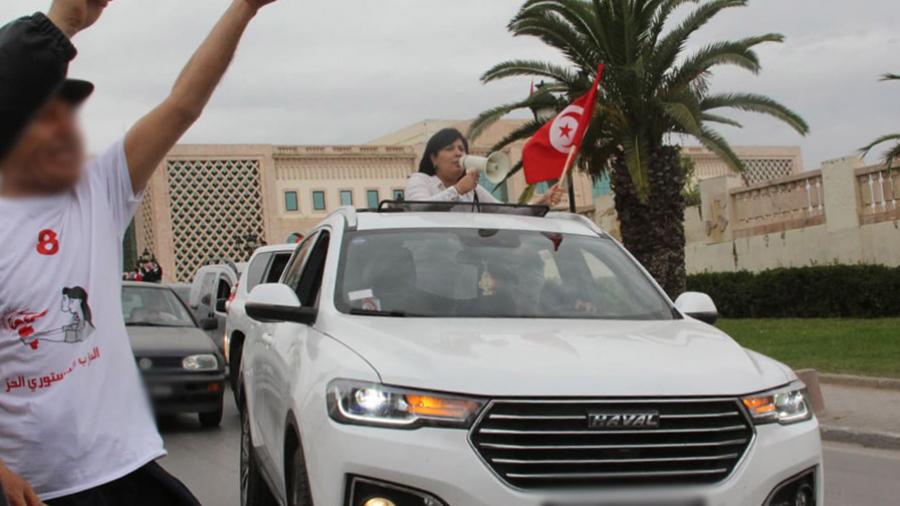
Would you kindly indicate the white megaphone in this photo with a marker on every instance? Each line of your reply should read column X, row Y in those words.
column 495, row 167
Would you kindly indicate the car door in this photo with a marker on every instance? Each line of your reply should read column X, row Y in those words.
column 258, row 356
column 203, row 294
column 284, row 356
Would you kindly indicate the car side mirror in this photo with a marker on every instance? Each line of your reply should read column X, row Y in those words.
column 699, row 306
column 209, row 324
column 206, row 299
column 275, row 302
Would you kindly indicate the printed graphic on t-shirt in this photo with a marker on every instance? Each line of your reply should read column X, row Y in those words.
column 78, row 329
column 48, row 242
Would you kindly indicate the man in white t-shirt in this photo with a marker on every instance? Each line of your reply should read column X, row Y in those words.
column 75, row 426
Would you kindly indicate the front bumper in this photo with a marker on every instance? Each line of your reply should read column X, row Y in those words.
column 442, row 463
column 185, row 393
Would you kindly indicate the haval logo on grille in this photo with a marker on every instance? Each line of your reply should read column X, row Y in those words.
column 623, row 420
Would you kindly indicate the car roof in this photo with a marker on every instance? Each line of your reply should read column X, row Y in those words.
column 276, row 248
column 561, row 223
column 141, row 284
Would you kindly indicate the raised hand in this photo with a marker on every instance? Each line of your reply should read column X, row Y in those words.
column 256, row 4
column 468, row 183
column 73, row 16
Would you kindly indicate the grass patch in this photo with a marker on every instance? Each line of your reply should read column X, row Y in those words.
column 847, row 346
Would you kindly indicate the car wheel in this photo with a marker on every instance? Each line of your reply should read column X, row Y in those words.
column 211, row 419
column 298, row 480
column 254, row 491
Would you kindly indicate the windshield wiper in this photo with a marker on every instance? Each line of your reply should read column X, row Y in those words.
column 378, row 312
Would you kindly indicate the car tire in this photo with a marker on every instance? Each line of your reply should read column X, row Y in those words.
column 211, row 419
column 254, row 490
column 297, row 478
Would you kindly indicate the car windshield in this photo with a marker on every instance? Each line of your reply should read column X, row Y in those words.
column 492, row 273
column 153, row 307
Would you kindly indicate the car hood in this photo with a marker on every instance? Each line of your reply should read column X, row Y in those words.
column 169, row 341
column 522, row 357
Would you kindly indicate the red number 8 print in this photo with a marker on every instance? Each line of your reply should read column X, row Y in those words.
column 48, row 242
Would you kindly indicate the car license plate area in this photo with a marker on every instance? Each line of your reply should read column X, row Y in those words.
column 694, row 502
column 160, row 391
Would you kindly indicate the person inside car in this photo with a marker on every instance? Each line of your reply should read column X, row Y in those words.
column 441, row 178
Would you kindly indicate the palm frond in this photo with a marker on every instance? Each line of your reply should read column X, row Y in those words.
column 715, row 118
column 737, row 53
column 890, row 77
column 577, row 13
column 756, row 103
column 877, row 142
column 522, row 132
column 637, row 160
column 671, row 45
column 514, row 68
column 492, row 115
column 714, row 142
column 512, row 172
column 557, row 33
column 527, row 194
column 664, row 9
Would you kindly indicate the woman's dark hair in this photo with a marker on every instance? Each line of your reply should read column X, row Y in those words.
column 78, row 293
column 439, row 141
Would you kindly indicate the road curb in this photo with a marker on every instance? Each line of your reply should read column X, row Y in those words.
column 872, row 439
column 848, row 380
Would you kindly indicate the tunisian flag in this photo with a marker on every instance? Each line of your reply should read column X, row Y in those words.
column 546, row 154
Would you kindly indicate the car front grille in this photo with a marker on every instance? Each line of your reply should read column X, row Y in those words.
column 550, row 444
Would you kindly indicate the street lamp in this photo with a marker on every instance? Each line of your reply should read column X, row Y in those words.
column 544, row 110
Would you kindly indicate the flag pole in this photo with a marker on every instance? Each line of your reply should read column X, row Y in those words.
column 566, row 178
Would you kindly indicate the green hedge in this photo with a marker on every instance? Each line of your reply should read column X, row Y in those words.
column 836, row 291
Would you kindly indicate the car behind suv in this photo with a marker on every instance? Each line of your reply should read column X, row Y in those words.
column 475, row 359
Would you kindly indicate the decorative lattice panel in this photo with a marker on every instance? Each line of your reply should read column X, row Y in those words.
column 759, row 170
column 214, row 203
column 146, row 231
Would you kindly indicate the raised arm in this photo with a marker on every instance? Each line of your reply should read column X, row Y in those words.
column 153, row 136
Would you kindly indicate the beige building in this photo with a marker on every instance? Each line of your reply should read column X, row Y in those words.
column 209, row 202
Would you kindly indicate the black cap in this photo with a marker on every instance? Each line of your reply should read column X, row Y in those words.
column 75, row 91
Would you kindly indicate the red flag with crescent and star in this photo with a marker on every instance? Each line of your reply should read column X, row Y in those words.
column 545, row 155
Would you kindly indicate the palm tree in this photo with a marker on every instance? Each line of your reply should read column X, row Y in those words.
column 894, row 152
column 650, row 91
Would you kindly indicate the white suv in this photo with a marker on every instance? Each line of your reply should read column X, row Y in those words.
column 450, row 359
column 265, row 266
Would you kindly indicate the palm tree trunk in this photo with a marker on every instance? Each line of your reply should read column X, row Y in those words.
column 654, row 231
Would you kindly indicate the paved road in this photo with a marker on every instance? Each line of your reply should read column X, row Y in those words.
column 207, row 461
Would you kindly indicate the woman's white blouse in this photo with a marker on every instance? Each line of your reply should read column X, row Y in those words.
column 422, row 187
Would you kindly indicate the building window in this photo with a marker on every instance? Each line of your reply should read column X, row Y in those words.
column 319, row 200
column 399, row 195
column 290, row 201
column 372, row 199
column 346, row 198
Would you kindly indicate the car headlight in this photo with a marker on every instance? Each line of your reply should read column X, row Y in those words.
column 205, row 362
column 784, row 405
column 361, row 403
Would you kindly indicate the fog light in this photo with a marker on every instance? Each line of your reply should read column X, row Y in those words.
column 799, row 490
column 379, row 501
column 804, row 496
column 368, row 492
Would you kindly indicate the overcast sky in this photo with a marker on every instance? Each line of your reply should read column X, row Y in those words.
column 348, row 71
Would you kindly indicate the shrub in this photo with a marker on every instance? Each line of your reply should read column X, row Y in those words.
column 836, row 291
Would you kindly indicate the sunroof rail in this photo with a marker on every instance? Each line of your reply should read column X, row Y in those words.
column 406, row 206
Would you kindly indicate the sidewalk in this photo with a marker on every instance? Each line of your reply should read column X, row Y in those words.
column 860, row 415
